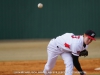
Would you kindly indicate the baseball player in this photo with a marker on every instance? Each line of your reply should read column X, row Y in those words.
column 69, row 47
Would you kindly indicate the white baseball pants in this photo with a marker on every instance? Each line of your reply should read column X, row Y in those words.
column 53, row 53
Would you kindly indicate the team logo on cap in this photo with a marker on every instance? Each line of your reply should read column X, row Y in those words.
column 92, row 34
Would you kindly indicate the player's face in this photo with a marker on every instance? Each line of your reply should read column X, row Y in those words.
column 87, row 40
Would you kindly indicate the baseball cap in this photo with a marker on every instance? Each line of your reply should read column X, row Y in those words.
column 91, row 34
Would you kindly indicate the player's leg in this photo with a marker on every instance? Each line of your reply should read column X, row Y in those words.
column 67, row 57
column 52, row 57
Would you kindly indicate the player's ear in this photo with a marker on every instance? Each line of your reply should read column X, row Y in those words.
column 84, row 35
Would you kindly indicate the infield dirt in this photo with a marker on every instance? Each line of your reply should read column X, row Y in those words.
column 29, row 58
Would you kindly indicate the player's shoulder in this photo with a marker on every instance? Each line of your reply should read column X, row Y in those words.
column 77, row 39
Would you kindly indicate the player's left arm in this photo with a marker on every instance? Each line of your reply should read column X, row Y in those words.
column 77, row 64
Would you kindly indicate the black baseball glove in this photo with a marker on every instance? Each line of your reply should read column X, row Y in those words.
column 83, row 53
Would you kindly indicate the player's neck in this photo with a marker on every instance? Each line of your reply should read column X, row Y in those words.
column 84, row 45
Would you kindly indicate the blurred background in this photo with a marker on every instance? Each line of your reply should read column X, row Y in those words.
column 25, row 30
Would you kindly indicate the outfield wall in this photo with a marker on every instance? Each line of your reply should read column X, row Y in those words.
column 21, row 19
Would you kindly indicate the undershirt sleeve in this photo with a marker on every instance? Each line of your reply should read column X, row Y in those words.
column 77, row 64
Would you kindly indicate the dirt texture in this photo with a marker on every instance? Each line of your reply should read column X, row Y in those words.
column 36, row 67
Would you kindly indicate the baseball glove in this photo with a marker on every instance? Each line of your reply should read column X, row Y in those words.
column 83, row 53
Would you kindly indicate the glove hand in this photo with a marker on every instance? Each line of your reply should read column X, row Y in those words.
column 83, row 53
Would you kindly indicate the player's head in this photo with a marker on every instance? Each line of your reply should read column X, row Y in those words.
column 89, row 36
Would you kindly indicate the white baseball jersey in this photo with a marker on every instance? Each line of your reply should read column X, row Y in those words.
column 71, row 43
column 64, row 45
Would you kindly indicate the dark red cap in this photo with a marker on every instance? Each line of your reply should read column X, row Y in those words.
column 91, row 34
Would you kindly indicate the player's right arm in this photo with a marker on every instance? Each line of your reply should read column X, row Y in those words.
column 76, row 48
column 77, row 64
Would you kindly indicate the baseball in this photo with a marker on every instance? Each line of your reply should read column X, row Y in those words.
column 40, row 5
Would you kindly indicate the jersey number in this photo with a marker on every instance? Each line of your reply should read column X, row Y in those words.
column 77, row 37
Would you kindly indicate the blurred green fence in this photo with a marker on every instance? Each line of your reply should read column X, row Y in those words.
column 21, row 19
